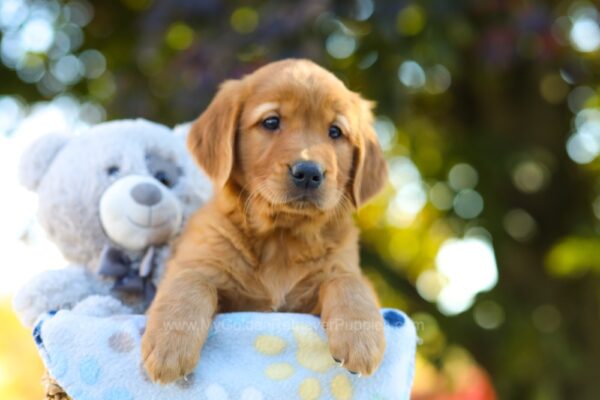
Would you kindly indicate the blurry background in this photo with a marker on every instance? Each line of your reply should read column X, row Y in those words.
column 489, row 113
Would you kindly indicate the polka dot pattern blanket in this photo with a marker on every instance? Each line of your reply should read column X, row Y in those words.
column 248, row 356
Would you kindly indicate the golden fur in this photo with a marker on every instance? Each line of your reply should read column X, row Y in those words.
column 260, row 246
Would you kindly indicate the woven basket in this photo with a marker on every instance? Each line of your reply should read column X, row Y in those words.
column 53, row 390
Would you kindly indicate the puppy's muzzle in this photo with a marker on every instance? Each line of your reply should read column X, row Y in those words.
column 306, row 175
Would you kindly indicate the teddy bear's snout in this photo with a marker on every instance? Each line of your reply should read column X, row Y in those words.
column 146, row 194
column 137, row 211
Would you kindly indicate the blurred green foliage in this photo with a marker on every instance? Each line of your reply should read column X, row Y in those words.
column 487, row 110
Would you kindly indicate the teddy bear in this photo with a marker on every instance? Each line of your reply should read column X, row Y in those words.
column 111, row 199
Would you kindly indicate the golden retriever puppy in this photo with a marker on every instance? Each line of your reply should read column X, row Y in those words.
column 291, row 152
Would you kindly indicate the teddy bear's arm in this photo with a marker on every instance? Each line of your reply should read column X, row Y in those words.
column 56, row 290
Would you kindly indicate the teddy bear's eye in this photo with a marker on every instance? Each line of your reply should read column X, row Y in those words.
column 113, row 170
column 163, row 178
column 163, row 170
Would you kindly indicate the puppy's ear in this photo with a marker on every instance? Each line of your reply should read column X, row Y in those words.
column 211, row 139
column 370, row 168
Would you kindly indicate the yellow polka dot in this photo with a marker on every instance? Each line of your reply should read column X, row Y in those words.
column 269, row 345
column 310, row 389
column 341, row 387
column 279, row 371
column 313, row 352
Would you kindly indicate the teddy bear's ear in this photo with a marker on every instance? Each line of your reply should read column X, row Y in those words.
column 182, row 130
column 38, row 157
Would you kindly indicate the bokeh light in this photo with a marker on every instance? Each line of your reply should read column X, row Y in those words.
column 596, row 207
column 438, row 79
column 585, row 32
column 519, row 225
column 410, row 195
column 364, row 10
column 553, row 88
column 468, row 204
column 37, row 35
column 469, row 265
column 462, row 176
column 180, row 36
column 530, row 176
column 578, row 97
column 340, row 45
column 386, row 132
column 441, row 196
column 94, row 63
column 489, row 314
column 411, row 75
column 244, row 20
column 584, row 144
column 410, row 20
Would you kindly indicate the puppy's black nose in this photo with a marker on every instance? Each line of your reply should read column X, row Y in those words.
column 307, row 174
column 146, row 194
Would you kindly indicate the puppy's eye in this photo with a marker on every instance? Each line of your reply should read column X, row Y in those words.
column 163, row 178
column 113, row 170
column 271, row 123
column 335, row 132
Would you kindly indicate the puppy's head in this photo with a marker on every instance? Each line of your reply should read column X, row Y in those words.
column 293, row 136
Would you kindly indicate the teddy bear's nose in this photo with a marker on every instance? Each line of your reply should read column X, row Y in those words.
column 146, row 194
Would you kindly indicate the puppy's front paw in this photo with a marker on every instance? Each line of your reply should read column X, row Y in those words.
column 358, row 344
column 169, row 355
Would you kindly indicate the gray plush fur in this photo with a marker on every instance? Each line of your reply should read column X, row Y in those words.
column 70, row 175
column 38, row 158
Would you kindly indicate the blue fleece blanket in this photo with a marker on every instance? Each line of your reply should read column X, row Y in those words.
column 248, row 356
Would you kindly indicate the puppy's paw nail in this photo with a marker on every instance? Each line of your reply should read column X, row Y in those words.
column 340, row 363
